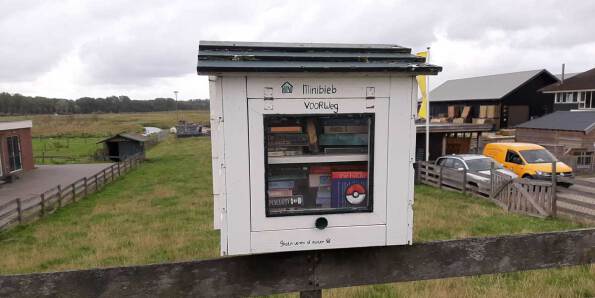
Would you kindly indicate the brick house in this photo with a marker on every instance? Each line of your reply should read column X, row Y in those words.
column 16, row 148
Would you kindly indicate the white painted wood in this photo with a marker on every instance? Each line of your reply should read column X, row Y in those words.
column 308, row 239
column 217, row 154
column 318, row 158
column 237, row 166
column 401, row 136
column 333, row 87
column 257, row 173
column 16, row 124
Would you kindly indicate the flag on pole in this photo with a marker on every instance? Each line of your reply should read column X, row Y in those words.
column 421, row 82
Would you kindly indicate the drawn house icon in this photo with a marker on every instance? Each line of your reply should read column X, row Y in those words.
column 286, row 88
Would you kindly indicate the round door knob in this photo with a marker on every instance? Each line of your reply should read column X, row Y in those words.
column 321, row 223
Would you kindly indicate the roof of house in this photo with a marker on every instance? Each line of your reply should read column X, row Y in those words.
column 129, row 136
column 563, row 120
column 491, row 87
column 8, row 125
column 232, row 56
column 581, row 81
column 566, row 75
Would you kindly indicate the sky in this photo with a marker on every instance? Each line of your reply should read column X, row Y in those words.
column 147, row 49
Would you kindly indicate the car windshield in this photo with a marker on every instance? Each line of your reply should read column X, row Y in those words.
column 482, row 164
column 537, row 156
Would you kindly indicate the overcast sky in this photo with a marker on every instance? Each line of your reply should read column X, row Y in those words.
column 147, row 49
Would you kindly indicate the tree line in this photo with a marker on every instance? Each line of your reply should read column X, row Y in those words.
column 17, row 104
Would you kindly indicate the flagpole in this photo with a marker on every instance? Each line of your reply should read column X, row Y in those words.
column 428, row 111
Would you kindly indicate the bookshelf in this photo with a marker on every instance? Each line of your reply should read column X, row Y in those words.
column 320, row 158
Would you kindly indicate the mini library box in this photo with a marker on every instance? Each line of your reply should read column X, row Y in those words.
column 312, row 144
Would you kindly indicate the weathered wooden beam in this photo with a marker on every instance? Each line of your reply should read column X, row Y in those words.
column 310, row 271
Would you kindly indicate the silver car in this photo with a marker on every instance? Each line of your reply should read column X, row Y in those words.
column 478, row 167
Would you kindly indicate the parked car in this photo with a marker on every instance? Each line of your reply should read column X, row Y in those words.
column 528, row 160
column 478, row 167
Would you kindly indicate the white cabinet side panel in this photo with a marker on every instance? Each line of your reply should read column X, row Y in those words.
column 237, row 174
column 399, row 189
column 217, row 154
column 311, row 239
column 413, row 134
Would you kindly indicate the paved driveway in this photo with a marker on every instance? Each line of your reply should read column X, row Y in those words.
column 45, row 177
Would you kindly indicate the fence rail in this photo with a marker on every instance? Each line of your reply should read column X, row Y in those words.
column 23, row 210
column 310, row 271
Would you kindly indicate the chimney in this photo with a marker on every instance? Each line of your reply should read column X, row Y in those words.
column 562, row 79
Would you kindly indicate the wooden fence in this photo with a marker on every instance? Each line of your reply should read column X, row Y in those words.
column 525, row 196
column 310, row 271
column 22, row 210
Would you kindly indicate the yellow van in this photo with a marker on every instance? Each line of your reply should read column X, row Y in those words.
column 526, row 160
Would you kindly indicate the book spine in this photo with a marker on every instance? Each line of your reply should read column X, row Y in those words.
column 280, row 193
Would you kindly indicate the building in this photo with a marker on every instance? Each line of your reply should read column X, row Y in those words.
column 124, row 145
column 569, row 135
column 574, row 93
column 16, row 149
column 504, row 100
column 449, row 138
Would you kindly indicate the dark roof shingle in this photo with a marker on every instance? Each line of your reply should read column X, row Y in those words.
column 563, row 120
column 581, row 81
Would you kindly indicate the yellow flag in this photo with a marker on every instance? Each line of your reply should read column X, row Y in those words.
column 421, row 82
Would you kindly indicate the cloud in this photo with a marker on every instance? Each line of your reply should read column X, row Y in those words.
column 148, row 49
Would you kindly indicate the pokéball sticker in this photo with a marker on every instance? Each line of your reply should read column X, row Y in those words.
column 355, row 194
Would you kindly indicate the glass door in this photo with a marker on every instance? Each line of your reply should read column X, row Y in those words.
column 306, row 165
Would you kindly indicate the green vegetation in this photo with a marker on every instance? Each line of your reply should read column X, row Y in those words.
column 65, row 150
column 102, row 125
column 162, row 212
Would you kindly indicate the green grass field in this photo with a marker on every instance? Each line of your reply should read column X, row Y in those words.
column 162, row 212
column 71, row 149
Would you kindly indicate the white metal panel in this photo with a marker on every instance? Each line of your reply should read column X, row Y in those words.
column 308, row 239
column 400, row 166
column 324, row 87
column 257, row 171
column 237, row 166
column 217, row 154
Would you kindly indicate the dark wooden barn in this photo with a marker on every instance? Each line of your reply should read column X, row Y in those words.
column 509, row 99
column 123, row 146
column 574, row 93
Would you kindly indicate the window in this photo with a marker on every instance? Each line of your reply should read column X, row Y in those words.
column 458, row 164
column 584, row 159
column 14, row 153
column 482, row 164
column 318, row 164
column 538, row 156
column 513, row 157
column 574, row 96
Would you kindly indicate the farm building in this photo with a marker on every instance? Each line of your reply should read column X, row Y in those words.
column 569, row 135
column 16, row 149
column 449, row 138
column 504, row 100
column 574, row 93
column 124, row 145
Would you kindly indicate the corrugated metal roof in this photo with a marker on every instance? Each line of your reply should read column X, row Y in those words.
column 489, row 87
column 130, row 136
column 581, row 81
column 563, row 120
column 221, row 56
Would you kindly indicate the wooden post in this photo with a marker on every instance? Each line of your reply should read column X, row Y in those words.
column 96, row 182
column 440, row 178
column 492, row 168
column 311, row 294
column 73, row 192
column 42, row 204
column 59, row 196
column 554, row 186
column 20, row 210
column 119, row 171
column 86, row 187
column 112, row 167
column 464, row 180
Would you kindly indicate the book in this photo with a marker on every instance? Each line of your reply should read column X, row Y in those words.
column 292, row 201
column 345, row 150
column 281, row 184
column 280, row 192
column 317, row 180
column 349, row 189
column 323, row 197
column 285, row 129
column 343, row 139
column 287, row 139
column 345, row 129
column 285, row 152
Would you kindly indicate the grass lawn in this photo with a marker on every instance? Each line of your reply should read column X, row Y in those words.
column 73, row 149
column 101, row 125
column 162, row 212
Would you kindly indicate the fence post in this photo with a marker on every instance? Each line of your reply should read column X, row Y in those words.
column 42, row 204
column 59, row 196
column 73, row 192
column 464, row 180
column 86, row 187
column 311, row 294
column 112, row 168
column 119, row 171
column 20, row 210
column 96, row 182
column 492, row 168
column 554, row 186
column 440, row 178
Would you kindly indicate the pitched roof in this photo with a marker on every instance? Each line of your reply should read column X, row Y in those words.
column 581, row 81
column 130, row 136
column 8, row 125
column 231, row 56
column 563, row 120
column 489, row 87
